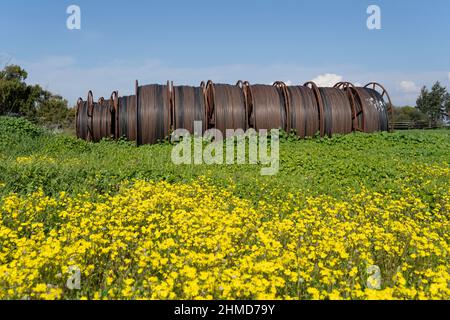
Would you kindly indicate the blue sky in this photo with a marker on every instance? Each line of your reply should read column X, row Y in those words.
column 261, row 41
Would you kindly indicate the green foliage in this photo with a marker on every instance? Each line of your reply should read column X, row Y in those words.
column 408, row 113
column 31, row 101
column 19, row 127
column 31, row 158
column 434, row 103
column 53, row 111
column 15, row 95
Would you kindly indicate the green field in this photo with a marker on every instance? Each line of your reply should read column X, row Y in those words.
column 316, row 166
column 391, row 189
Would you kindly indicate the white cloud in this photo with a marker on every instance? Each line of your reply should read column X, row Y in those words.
column 327, row 80
column 408, row 87
column 288, row 83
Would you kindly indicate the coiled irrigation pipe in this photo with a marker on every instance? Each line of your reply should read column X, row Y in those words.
column 336, row 115
column 357, row 110
column 84, row 117
column 102, row 120
column 126, row 118
column 189, row 105
column 81, row 120
column 320, row 107
column 153, row 113
column 371, row 112
column 385, row 108
column 266, row 107
column 115, row 109
column 226, row 107
column 302, row 111
column 155, row 110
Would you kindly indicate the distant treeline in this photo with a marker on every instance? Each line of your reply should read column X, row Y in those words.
column 408, row 113
column 432, row 106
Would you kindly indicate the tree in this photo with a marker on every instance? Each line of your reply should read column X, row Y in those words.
column 408, row 113
column 52, row 110
column 13, row 89
column 13, row 72
column 447, row 107
column 30, row 101
column 434, row 103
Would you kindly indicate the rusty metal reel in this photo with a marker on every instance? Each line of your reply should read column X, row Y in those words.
column 149, row 116
column 84, row 117
column 153, row 113
column 189, row 105
column 357, row 108
column 267, row 109
column 303, row 112
column 79, row 126
column 385, row 108
column 126, row 118
column 370, row 109
column 337, row 111
column 226, row 107
column 102, row 120
column 114, row 111
column 320, row 107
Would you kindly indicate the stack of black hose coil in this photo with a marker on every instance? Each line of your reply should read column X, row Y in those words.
column 155, row 111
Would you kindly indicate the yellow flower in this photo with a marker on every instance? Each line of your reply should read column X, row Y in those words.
column 194, row 240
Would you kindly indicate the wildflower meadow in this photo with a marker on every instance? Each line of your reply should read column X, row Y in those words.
column 350, row 217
